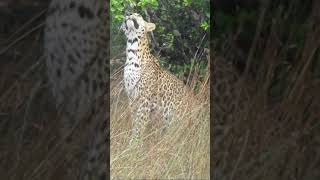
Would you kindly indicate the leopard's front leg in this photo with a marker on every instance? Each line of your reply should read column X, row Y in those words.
column 140, row 120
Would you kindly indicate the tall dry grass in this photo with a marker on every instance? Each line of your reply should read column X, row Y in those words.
column 180, row 152
column 276, row 135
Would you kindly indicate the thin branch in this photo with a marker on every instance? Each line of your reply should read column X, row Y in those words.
column 264, row 7
column 20, row 38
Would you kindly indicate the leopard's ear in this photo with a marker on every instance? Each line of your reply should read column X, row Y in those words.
column 150, row 27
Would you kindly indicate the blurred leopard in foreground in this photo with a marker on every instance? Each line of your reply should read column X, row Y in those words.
column 76, row 51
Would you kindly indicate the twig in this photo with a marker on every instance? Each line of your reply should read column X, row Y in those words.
column 240, row 155
column 264, row 8
column 26, row 113
column 26, row 24
column 195, row 55
column 24, row 75
column 20, row 38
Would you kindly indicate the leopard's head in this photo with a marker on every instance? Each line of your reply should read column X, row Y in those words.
column 134, row 25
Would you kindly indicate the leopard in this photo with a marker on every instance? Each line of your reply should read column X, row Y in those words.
column 76, row 42
column 154, row 93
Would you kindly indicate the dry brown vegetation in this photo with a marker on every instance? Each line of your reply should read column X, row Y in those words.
column 276, row 135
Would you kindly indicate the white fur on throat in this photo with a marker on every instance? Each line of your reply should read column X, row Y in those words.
column 132, row 66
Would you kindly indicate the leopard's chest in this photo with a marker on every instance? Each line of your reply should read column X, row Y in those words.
column 132, row 72
column 131, row 79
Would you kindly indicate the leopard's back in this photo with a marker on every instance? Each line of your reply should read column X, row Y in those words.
column 168, row 94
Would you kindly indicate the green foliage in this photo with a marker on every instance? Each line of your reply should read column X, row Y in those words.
column 205, row 25
column 117, row 9
column 183, row 70
column 118, row 6
column 186, row 2
column 151, row 3
column 182, row 29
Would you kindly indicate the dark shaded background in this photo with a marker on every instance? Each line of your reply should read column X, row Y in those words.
column 274, row 133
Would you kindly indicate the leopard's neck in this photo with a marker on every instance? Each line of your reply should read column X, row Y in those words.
column 138, row 51
column 139, row 57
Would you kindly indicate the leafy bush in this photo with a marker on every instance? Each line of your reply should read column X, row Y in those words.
column 181, row 34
